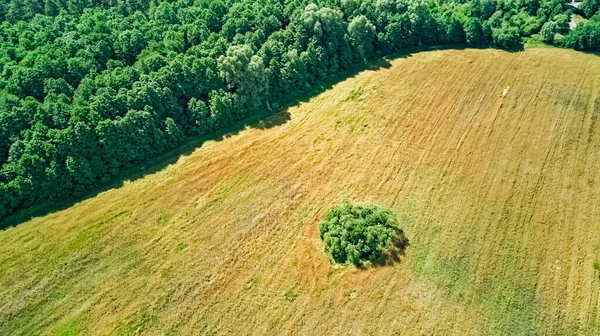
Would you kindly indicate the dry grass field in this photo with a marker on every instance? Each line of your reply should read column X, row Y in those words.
column 492, row 160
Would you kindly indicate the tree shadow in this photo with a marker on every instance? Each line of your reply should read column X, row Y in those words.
column 397, row 250
column 575, row 10
column 261, row 119
column 589, row 52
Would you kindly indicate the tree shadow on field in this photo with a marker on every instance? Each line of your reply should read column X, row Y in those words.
column 397, row 250
column 587, row 52
column 261, row 119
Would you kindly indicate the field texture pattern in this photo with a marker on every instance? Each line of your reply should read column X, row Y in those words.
column 492, row 160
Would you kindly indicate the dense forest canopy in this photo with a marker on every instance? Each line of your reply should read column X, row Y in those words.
column 91, row 87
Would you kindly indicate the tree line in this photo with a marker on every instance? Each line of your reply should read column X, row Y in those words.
column 585, row 36
column 91, row 87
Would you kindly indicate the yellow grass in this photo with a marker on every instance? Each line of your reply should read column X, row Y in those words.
column 491, row 158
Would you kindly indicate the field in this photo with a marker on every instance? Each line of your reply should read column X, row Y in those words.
column 492, row 160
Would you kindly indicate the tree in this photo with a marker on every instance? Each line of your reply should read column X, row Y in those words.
column 78, row 68
column 424, row 25
column 586, row 36
column 26, row 82
column 362, row 32
column 507, row 37
column 128, row 45
column 473, row 31
column 399, row 32
column 454, row 30
column 356, row 234
column 199, row 119
column 223, row 109
column 52, row 7
column 80, row 171
column 245, row 73
column 173, row 132
column 548, row 31
column 562, row 23
column 590, row 7
column 327, row 28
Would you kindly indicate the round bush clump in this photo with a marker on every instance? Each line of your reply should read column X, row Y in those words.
column 355, row 234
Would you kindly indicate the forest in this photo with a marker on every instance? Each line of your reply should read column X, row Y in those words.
column 92, row 87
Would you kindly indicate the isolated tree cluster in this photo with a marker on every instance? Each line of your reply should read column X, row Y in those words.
column 89, row 88
column 355, row 234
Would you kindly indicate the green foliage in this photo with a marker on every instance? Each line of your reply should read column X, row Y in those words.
column 548, row 31
column 358, row 233
column 507, row 37
column 290, row 295
column 128, row 45
column 586, row 36
column 562, row 23
column 473, row 29
column 362, row 33
column 244, row 72
column 590, row 7
column 163, row 219
column 89, row 88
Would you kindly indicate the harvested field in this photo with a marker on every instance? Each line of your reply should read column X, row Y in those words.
column 491, row 158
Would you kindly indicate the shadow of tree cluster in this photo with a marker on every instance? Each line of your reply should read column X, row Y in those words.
column 397, row 250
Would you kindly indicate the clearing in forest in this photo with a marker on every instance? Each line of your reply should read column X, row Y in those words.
column 498, row 191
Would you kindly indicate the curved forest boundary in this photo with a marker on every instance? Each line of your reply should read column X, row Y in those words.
column 92, row 88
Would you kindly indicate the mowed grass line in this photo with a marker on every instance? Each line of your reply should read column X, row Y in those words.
column 491, row 158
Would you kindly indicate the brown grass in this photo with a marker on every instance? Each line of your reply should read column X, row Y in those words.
column 499, row 195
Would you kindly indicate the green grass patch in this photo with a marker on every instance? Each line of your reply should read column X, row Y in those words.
column 164, row 219
column 534, row 41
column 71, row 327
column 511, row 307
column 355, row 95
column 290, row 295
column 450, row 273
